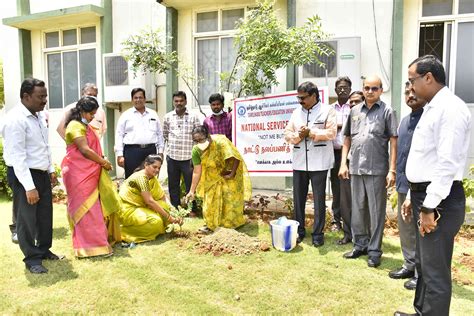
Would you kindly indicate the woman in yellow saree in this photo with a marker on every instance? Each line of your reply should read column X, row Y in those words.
column 92, row 199
column 145, row 212
column 224, row 182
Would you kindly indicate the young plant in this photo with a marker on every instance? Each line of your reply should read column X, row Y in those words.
column 179, row 213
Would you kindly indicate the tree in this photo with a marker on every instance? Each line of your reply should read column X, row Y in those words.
column 2, row 88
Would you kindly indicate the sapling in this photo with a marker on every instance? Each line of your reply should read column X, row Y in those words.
column 179, row 213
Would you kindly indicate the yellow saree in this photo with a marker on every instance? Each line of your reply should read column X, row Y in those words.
column 139, row 222
column 223, row 200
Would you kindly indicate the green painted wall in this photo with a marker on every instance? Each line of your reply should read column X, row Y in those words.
column 24, row 40
column 397, row 53
column 172, row 45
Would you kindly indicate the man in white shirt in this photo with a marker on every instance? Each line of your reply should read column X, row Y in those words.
column 138, row 134
column 311, row 129
column 98, row 123
column 27, row 154
column 434, row 170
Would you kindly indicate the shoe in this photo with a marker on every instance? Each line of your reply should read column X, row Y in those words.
column 402, row 273
column 397, row 313
column 410, row 284
column 15, row 238
column 344, row 241
column 37, row 269
column 318, row 243
column 373, row 262
column 335, row 227
column 52, row 256
column 299, row 239
column 354, row 253
column 204, row 230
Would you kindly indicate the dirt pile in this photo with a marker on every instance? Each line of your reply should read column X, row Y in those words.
column 230, row 241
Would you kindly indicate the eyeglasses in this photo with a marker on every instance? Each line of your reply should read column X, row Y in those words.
column 302, row 98
column 412, row 80
column 374, row 89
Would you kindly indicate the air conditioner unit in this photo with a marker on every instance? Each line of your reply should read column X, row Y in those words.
column 344, row 62
column 119, row 79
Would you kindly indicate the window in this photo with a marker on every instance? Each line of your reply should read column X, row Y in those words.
column 450, row 39
column 71, row 62
column 215, row 50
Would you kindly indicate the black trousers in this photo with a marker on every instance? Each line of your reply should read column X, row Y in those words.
column 176, row 168
column 434, row 253
column 35, row 222
column 134, row 155
column 11, row 180
column 346, row 207
column 336, row 188
column 300, row 192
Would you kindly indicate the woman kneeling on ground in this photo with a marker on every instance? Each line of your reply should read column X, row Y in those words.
column 224, row 182
column 145, row 212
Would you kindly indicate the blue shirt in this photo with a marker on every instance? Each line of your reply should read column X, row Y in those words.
column 405, row 135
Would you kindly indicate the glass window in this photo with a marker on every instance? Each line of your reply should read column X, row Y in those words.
column 69, row 37
column 466, row 6
column 52, row 39
column 55, row 86
column 228, row 56
column 71, row 89
column 437, row 7
column 464, row 65
column 207, row 21
column 207, row 68
column 87, row 67
column 88, row 35
column 432, row 39
column 230, row 18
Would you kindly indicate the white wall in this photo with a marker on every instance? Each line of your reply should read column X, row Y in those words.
column 42, row 6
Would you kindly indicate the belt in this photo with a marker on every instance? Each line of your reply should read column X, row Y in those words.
column 140, row 145
column 421, row 186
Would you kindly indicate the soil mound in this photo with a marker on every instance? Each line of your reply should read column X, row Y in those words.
column 230, row 241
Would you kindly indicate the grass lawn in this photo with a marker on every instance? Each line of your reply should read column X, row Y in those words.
column 167, row 275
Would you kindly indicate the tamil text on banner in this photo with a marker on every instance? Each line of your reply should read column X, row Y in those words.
column 258, row 128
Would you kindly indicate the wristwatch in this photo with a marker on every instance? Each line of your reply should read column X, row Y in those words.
column 426, row 210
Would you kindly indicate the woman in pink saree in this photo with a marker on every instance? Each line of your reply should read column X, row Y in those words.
column 84, row 175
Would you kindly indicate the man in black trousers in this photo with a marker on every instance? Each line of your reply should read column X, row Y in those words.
column 27, row 155
column 434, row 171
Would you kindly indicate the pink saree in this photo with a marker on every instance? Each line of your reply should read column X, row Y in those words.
column 81, row 179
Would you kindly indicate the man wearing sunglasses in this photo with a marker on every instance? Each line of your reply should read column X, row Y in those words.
column 435, row 168
column 369, row 129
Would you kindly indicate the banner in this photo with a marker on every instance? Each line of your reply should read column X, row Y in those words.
column 258, row 126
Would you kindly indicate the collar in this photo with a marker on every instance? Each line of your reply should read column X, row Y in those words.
column 416, row 113
column 377, row 103
column 215, row 116
column 312, row 108
column 135, row 110
column 176, row 114
column 439, row 95
column 24, row 110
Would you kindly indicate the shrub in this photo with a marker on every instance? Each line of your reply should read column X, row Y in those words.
column 4, row 187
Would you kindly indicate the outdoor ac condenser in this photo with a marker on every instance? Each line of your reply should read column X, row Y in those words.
column 345, row 62
column 119, row 80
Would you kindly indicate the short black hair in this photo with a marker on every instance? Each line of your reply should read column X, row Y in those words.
column 216, row 97
column 343, row 78
column 85, row 105
column 309, row 88
column 181, row 94
column 359, row 93
column 201, row 129
column 135, row 90
column 28, row 86
column 429, row 63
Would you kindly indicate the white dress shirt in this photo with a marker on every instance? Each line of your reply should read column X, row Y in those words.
column 25, row 144
column 135, row 128
column 439, row 147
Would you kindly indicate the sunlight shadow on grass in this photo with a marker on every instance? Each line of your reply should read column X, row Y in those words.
column 462, row 292
column 60, row 232
column 251, row 228
column 60, row 270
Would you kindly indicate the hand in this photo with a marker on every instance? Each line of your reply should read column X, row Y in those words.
column 406, row 211
column 174, row 220
column 32, row 196
column 303, row 132
column 427, row 223
column 107, row 165
column 343, row 171
column 189, row 197
column 227, row 174
column 390, row 179
column 121, row 161
column 54, row 179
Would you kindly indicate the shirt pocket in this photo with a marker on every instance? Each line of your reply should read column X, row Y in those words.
column 356, row 125
column 152, row 125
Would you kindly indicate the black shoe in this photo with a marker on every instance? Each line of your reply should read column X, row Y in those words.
column 373, row 262
column 318, row 243
column 354, row 253
column 410, row 284
column 299, row 239
column 402, row 273
column 37, row 269
column 397, row 313
column 52, row 256
column 15, row 238
column 343, row 241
